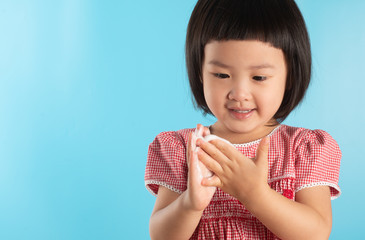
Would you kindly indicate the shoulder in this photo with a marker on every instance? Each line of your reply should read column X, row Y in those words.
column 171, row 138
column 166, row 161
column 316, row 159
column 293, row 133
column 302, row 137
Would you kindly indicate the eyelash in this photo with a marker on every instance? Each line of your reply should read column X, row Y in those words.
column 259, row 78
column 223, row 76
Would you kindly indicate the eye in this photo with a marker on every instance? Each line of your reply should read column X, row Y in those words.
column 221, row 75
column 259, row 78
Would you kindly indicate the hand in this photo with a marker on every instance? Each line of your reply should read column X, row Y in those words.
column 235, row 173
column 198, row 196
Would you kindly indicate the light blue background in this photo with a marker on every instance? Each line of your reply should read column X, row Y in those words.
column 85, row 86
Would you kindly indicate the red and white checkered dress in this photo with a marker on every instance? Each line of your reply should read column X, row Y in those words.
column 298, row 158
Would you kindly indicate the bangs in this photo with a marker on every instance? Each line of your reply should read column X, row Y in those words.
column 265, row 21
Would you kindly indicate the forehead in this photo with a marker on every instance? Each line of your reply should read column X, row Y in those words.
column 243, row 53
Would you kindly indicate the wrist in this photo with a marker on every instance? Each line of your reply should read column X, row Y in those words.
column 188, row 206
column 255, row 197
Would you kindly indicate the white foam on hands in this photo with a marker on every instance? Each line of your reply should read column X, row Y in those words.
column 199, row 134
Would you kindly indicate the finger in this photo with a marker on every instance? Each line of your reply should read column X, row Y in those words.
column 191, row 146
column 206, row 131
column 194, row 169
column 225, row 148
column 199, row 130
column 213, row 181
column 209, row 162
column 212, row 151
column 262, row 153
column 188, row 148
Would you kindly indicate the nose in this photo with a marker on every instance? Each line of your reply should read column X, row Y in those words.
column 240, row 91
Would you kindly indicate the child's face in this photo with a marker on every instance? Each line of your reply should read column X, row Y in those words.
column 244, row 84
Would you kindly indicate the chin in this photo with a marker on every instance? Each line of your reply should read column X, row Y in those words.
column 241, row 129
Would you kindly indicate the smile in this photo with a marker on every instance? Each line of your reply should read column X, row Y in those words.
column 243, row 111
column 241, row 114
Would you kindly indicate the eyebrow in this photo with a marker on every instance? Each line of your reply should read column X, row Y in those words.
column 261, row 66
column 219, row 64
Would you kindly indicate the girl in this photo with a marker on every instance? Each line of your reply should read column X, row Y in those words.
column 249, row 65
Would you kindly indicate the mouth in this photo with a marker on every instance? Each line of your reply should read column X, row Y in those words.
column 242, row 111
column 241, row 114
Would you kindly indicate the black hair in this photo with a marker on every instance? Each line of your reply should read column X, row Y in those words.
column 277, row 22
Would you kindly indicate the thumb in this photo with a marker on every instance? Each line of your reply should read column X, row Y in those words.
column 262, row 153
column 213, row 181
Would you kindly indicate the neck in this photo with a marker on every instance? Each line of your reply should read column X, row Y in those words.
column 243, row 137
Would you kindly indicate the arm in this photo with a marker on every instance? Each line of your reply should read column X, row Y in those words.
column 309, row 217
column 171, row 217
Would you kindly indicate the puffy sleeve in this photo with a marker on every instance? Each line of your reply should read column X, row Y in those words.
column 166, row 163
column 317, row 162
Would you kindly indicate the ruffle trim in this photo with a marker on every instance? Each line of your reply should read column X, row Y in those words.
column 286, row 176
column 333, row 185
column 148, row 182
column 258, row 140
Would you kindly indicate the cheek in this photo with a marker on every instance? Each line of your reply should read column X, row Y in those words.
column 208, row 94
column 276, row 102
column 214, row 94
column 271, row 98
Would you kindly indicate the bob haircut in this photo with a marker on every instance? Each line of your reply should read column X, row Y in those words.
column 277, row 22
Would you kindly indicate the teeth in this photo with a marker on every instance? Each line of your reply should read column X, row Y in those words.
column 242, row 111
